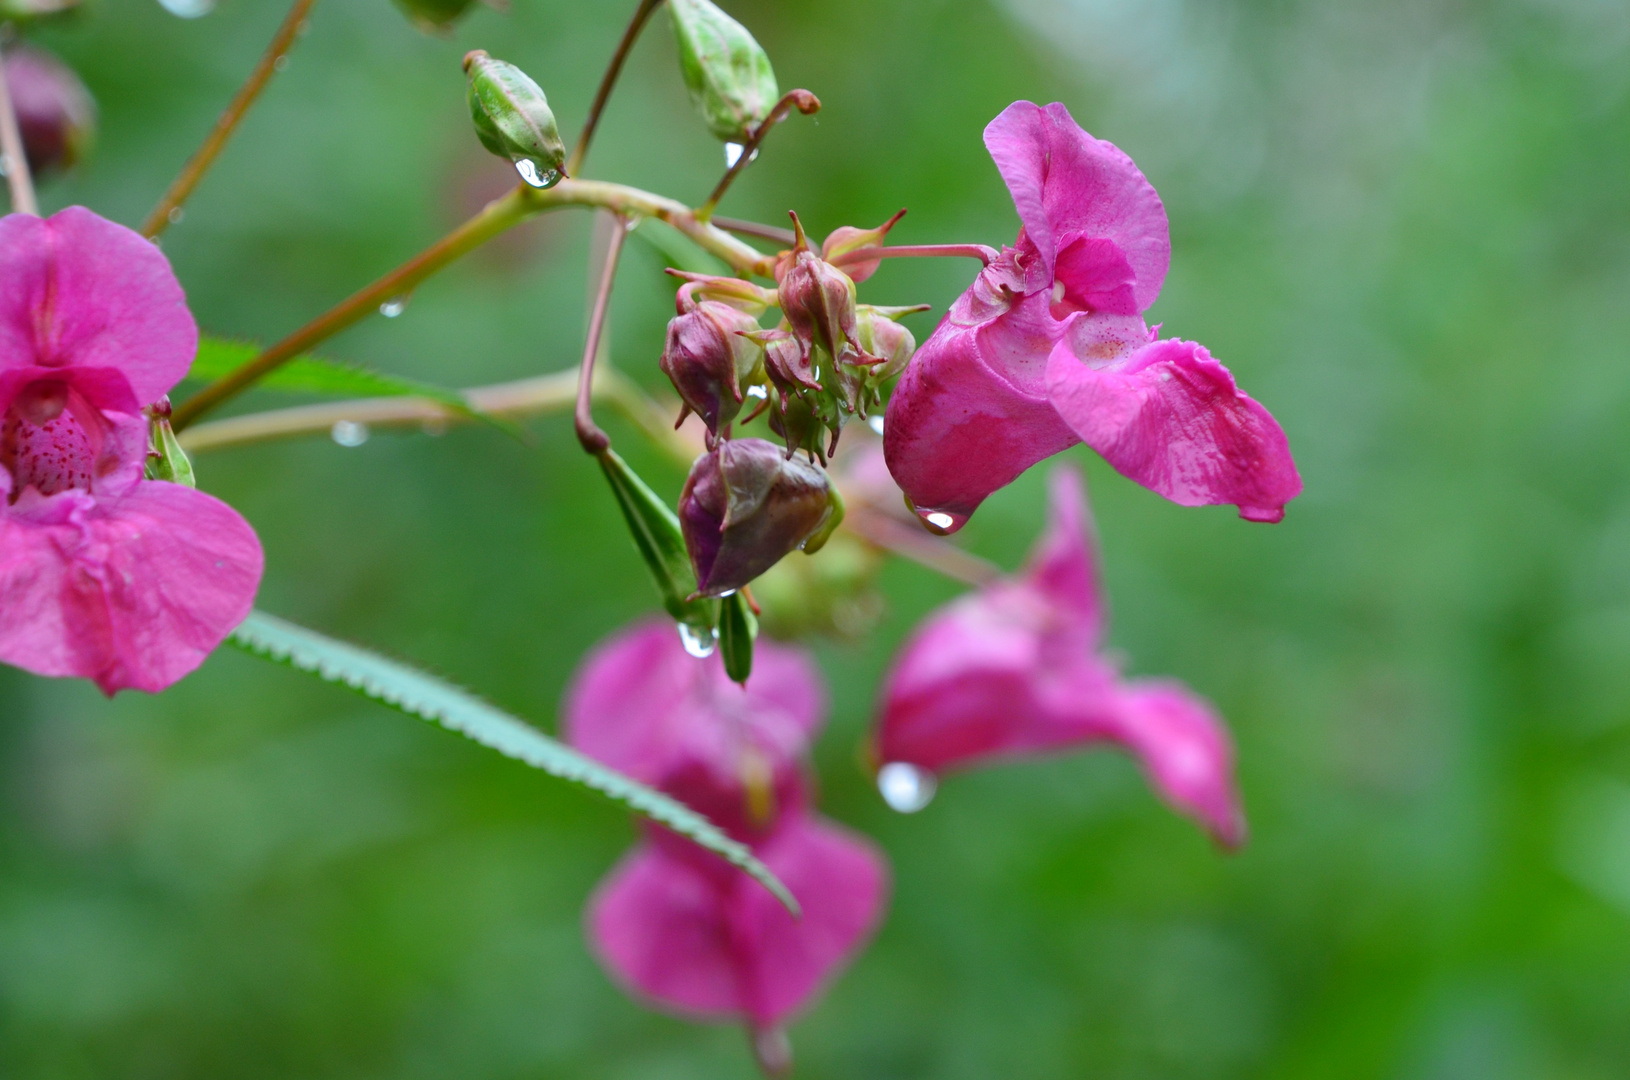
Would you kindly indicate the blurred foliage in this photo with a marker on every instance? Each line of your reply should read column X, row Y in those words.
column 1405, row 225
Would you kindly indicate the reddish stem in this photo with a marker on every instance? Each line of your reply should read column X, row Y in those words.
column 607, row 81
column 593, row 440
column 984, row 254
column 806, row 103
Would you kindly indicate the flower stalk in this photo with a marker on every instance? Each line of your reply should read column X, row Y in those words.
column 804, row 101
column 18, row 179
column 594, row 440
column 607, row 81
column 271, row 61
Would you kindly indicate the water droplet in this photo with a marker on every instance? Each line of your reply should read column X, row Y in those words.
column 188, row 9
column 732, row 153
column 281, row 63
column 773, row 1051
column 349, row 433
column 906, row 788
column 759, row 391
column 536, row 177
column 393, row 307
column 698, row 642
column 875, row 422
column 942, row 521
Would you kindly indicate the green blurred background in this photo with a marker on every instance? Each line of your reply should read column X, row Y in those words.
column 1405, row 225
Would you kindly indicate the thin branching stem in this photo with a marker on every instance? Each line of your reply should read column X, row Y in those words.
column 271, row 61
column 773, row 233
column 521, row 203
column 18, row 179
column 984, row 254
column 589, row 434
column 804, row 101
column 607, row 81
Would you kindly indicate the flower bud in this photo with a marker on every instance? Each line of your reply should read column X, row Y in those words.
column 741, row 295
column 849, row 246
column 24, row 10
column 709, row 358
column 882, row 336
column 165, row 458
column 745, row 505
column 513, row 120
column 55, row 113
column 727, row 73
column 818, row 300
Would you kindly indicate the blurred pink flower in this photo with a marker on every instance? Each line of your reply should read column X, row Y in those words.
column 675, row 923
column 103, row 574
column 1048, row 348
column 1014, row 669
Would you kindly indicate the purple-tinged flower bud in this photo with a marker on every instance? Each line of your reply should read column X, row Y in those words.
column 55, row 113
column 742, row 295
column 847, row 242
column 818, row 300
column 745, row 505
column 709, row 357
column 513, row 119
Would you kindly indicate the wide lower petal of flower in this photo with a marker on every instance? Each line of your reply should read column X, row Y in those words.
column 77, row 289
column 132, row 592
column 719, row 945
column 1186, row 751
column 971, row 411
column 1171, row 418
column 1064, row 181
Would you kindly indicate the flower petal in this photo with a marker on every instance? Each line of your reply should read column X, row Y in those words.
column 133, row 592
column 1063, row 565
column 1171, row 418
column 1186, row 751
column 716, row 944
column 971, row 411
column 78, row 289
column 1065, row 181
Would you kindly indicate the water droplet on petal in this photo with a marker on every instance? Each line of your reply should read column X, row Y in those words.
column 942, row 522
column 698, row 642
column 906, row 788
column 188, row 9
column 876, row 423
column 349, row 433
column 536, row 177
column 393, row 307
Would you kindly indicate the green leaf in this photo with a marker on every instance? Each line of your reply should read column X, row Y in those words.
column 661, row 543
column 737, row 630
column 315, row 375
column 429, row 698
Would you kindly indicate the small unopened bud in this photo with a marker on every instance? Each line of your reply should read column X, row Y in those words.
column 726, row 71
column 165, row 458
column 882, row 336
column 709, row 358
column 853, row 247
column 513, row 119
column 435, row 16
column 739, row 294
column 24, row 10
column 55, row 113
column 818, row 300
column 745, row 505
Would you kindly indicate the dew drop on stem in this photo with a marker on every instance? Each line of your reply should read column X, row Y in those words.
column 349, row 433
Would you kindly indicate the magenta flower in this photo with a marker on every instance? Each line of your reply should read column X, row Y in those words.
column 1014, row 669
column 1048, row 348
column 103, row 574
column 675, row 923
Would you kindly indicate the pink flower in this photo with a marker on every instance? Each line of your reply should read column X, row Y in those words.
column 1014, row 669
column 103, row 575
column 675, row 923
column 1048, row 348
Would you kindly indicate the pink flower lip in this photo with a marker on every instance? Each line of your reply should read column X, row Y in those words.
column 103, row 575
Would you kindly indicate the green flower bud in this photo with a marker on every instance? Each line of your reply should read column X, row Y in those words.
column 513, row 120
column 728, row 74
column 435, row 16
column 165, row 458
column 24, row 10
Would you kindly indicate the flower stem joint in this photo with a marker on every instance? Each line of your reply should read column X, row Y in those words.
column 513, row 119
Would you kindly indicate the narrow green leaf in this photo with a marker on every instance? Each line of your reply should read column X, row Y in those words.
column 429, row 698
column 315, row 375
column 656, row 533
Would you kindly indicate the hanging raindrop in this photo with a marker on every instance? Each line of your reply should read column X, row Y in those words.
column 349, row 433
column 699, row 643
column 536, row 177
column 393, row 307
column 906, row 788
column 188, row 9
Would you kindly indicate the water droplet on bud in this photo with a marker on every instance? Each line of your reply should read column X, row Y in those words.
column 699, row 643
column 536, row 177
column 906, row 788
column 349, row 433
column 393, row 307
column 188, row 9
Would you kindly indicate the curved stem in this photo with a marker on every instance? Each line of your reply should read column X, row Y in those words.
column 270, row 62
column 805, row 102
column 774, row 233
column 589, row 434
column 15, row 157
column 501, row 214
column 607, row 81
column 984, row 254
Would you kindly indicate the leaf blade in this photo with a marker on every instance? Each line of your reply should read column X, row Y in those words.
column 419, row 694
